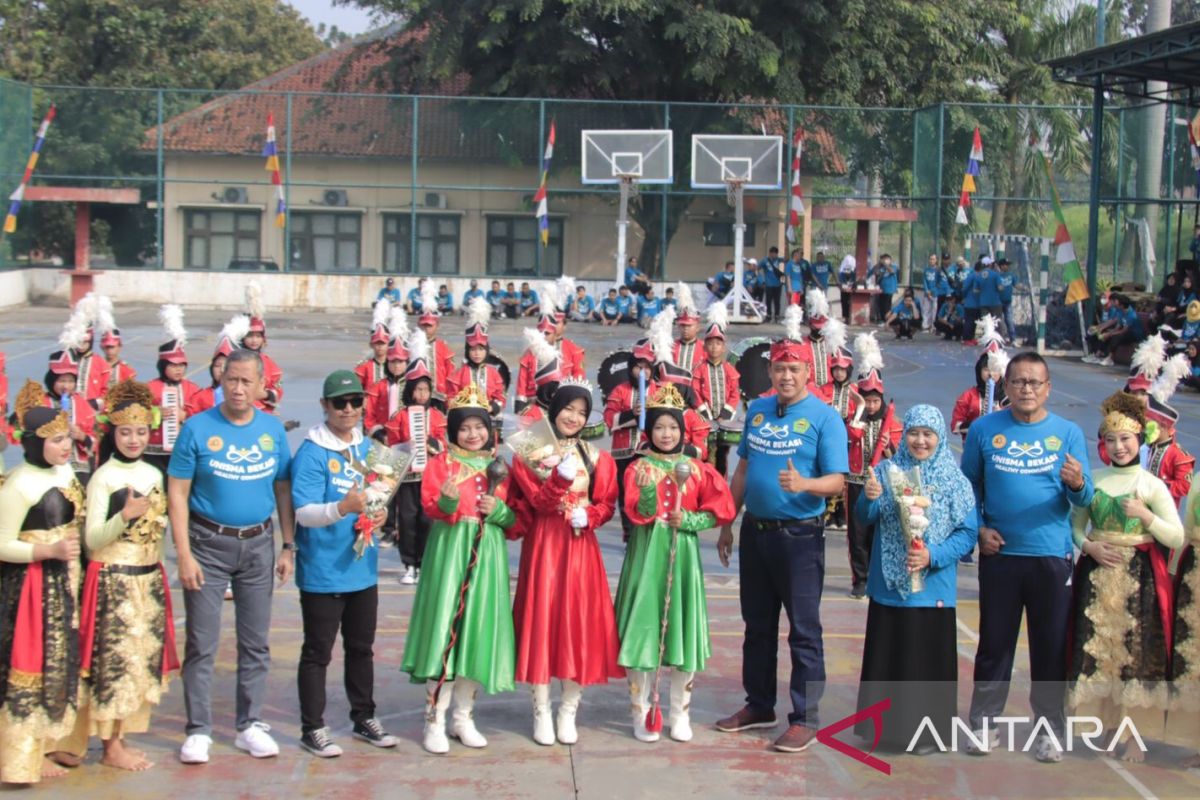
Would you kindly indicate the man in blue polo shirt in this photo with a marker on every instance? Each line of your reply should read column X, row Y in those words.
column 470, row 294
column 626, row 306
column 798, row 270
column 648, row 307
column 228, row 475
column 930, row 293
column 1029, row 469
column 820, row 271
column 1006, row 280
column 888, row 280
column 770, row 270
column 793, row 455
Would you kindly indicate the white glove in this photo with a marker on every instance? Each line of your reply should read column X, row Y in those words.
column 568, row 468
column 579, row 517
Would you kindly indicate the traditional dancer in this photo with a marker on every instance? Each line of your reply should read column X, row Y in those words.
column 111, row 344
column 61, row 394
column 1183, row 716
column 127, row 632
column 662, row 617
column 987, row 395
column 910, row 654
column 460, row 635
column 372, row 370
column 1121, row 618
column 688, row 350
column 41, row 510
column 476, row 369
column 256, row 340
column 440, row 361
column 386, row 397
column 873, row 434
column 563, row 613
column 715, row 384
column 422, row 425
column 171, row 390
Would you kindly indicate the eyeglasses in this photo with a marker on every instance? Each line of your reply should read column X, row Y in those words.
column 340, row 403
column 1021, row 383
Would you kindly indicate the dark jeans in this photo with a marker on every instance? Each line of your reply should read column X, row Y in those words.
column 859, row 536
column 883, row 304
column 1106, row 346
column 1038, row 587
column 904, row 327
column 774, row 297
column 948, row 330
column 970, row 317
column 323, row 615
column 844, row 297
column 412, row 526
column 784, row 567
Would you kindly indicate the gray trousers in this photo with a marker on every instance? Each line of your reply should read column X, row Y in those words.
column 249, row 564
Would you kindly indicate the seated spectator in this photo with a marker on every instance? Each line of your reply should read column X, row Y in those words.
column 471, row 294
column 511, row 302
column 610, row 309
column 949, row 321
column 1168, row 295
column 627, row 306
column 528, row 301
column 389, row 291
column 669, row 300
column 1193, row 354
column 581, row 307
column 445, row 301
column 905, row 317
column 495, row 298
column 722, row 282
column 635, row 279
column 1123, row 327
column 648, row 307
column 413, row 303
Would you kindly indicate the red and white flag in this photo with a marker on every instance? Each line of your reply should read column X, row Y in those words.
column 797, row 202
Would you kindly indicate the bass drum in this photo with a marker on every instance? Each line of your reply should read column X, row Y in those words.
column 502, row 368
column 595, row 427
column 753, row 361
column 614, row 371
column 729, row 431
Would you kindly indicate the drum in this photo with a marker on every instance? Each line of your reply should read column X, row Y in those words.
column 502, row 368
column 595, row 427
column 614, row 371
column 729, row 431
column 754, row 368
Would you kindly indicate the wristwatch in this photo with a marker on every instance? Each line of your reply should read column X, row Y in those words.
column 289, row 546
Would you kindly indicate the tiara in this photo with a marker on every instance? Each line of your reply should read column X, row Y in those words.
column 470, row 396
column 31, row 397
column 578, row 382
column 666, row 396
column 1116, row 422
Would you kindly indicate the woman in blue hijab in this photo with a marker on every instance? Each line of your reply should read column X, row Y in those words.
column 911, row 624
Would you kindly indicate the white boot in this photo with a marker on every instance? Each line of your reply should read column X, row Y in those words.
column 543, row 725
column 681, row 701
column 572, row 693
column 462, row 721
column 639, row 699
column 435, row 740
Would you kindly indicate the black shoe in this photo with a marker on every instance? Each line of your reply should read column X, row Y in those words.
column 859, row 591
column 371, row 732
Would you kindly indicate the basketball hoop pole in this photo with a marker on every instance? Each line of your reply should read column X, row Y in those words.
column 734, row 195
column 628, row 190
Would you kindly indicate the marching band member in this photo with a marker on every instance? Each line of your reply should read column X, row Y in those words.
column 374, row 369
column 127, row 632
column 715, row 384
column 94, row 373
column 1166, row 459
column 621, row 415
column 423, row 425
column 386, row 397
column 563, row 613
column 210, row 396
column 573, row 354
column 41, row 511
column 476, row 371
column 440, row 362
column 688, row 350
column 456, row 653
column 61, row 394
column 256, row 339
column 841, row 392
column 987, row 395
column 873, row 434
column 551, row 324
column 111, row 344
column 171, row 390
column 660, row 562
column 825, row 336
column 1122, row 597
column 695, row 428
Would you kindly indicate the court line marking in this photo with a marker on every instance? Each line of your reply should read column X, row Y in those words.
column 1127, row 776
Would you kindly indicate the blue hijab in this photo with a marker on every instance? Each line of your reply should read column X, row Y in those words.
column 951, row 493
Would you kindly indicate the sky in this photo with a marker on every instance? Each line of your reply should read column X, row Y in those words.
column 351, row 19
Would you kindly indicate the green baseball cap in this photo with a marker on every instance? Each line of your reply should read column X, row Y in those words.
column 342, row 382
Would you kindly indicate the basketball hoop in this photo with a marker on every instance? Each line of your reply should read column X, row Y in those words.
column 733, row 191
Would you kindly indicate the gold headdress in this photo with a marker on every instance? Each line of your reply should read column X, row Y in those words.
column 666, row 396
column 32, row 397
column 131, row 403
column 470, row 396
column 1122, row 412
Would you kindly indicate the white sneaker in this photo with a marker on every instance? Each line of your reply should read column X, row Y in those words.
column 1046, row 750
column 229, row 591
column 993, row 741
column 1105, row 362
column 195, row 749
column 409, row 577
column 1088, row 359
column 256, row 741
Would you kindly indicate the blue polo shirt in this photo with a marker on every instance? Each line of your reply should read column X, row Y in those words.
column 470, row 295
column 811, row 434
column 970, row 290
column 610, row 307
column 648, row 309
column 527, row 300
column 989, row 288
column 902, row 311
column 233, row 468
column 626, row 307
column 931, row 280
column 414, row 298
column 632, row 274
column 494, row 296
column 1005, row 279
column 797, row 274
column 769, row 269
column 583, row 305
column 391, row 295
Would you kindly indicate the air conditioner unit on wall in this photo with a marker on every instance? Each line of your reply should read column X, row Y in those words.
column 335, row 197
column 233, row 194
column 436, row 200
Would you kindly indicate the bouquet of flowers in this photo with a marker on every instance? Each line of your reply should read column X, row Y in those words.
column 382, row 473
column 911, row 502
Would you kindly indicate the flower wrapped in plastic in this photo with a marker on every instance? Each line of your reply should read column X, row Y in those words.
column 381, row 473
column 912, row 502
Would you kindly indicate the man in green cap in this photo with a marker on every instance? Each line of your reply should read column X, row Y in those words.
column 338, row 588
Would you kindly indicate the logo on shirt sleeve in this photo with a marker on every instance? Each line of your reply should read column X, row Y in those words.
column 215, row 443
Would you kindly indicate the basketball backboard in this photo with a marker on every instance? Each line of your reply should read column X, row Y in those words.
column 756, row 161
column 644, row 155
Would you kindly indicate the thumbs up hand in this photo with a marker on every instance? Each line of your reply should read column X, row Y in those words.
column 790, row 480
column 872, row 488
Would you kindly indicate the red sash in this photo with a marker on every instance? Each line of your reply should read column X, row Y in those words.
column 28, row 631
column 1163, row 591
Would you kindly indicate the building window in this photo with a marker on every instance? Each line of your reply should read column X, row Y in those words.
column 720, row 234
column 437, row 244
column 513, row 244
column 323, row 242
column 216, row 239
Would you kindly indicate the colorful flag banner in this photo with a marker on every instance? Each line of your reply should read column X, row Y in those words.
column 974, row 162
column 271, row 153
column 10, row 222
column 797, row 203
column 543, row 208
column 1064, row 248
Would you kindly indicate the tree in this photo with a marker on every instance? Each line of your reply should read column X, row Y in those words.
column 880, row 52
column 118, row 49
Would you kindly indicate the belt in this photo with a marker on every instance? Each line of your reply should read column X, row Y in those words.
column 248, row 532
column 783, row 524
column 131, row 569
